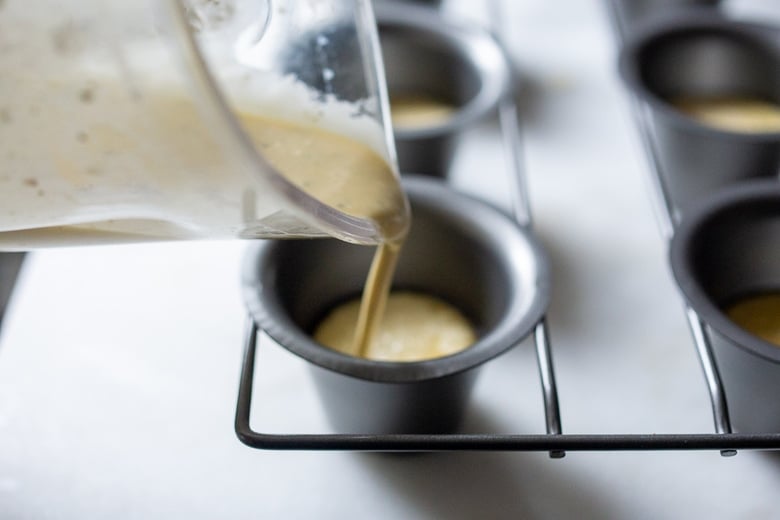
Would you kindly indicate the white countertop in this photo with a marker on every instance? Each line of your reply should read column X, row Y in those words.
column 119, row 365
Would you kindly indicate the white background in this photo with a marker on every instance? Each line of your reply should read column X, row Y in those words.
column 119, row 365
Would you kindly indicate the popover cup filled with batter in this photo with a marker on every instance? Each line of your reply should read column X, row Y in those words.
column 461, row 251
column 726, row 259
column 712, row 86
column 442, row 77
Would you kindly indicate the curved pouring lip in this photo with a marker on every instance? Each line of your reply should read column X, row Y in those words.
column 493, row 227
column 692, row 24
column 740, row 196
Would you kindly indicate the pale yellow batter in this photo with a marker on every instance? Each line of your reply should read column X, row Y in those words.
column 414, row 327
column 759, row 315
column 347, row 175
column 411, row 111
column 735, row 114
column 341, row 172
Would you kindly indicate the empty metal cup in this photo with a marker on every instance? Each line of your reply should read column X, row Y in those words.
column 459, row 249
column 704, row 56
column 727, row 248
column 426, row 54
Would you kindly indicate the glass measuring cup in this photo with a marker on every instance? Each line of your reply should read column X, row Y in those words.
column 163, row 119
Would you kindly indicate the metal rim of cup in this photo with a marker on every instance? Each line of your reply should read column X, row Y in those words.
column 692, row 22
column 745, row 194
column 270, row 315
column 476, row 45
column 635, row 14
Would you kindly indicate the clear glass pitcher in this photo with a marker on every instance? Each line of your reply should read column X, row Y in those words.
column 168, row 119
